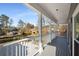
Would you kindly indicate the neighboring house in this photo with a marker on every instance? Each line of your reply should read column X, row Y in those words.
column 25, row 31
column 35, row 30
column 12, row 31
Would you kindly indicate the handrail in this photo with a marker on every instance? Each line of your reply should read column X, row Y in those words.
column 22, row 48
column 17, row 41
column 12, row 42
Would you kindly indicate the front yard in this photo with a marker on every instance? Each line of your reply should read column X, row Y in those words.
column 4, row 39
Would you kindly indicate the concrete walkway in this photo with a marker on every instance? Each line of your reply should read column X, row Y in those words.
column 57, row 47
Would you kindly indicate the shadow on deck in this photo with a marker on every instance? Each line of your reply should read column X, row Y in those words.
column 61, row 45
column 57, row 47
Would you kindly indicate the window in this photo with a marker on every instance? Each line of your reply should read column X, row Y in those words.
column 76, row 25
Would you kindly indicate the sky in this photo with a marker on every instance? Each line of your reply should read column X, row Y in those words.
column 17, row 11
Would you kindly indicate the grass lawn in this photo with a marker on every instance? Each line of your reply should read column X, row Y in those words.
column 11, row 38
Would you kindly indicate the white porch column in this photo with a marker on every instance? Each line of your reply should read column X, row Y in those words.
column 40, row 32
column 50, row 33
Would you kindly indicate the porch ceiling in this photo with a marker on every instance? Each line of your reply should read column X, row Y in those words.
column 58, row 12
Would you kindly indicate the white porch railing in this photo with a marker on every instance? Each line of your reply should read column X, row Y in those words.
column 22, row 47
column 18, row 48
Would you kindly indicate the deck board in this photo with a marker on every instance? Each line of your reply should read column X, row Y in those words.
column 57, row 47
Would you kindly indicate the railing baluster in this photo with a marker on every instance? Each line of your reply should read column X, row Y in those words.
column 19, row 49
column 16, row 50
column 12, row 50
column 7, row 51
column 22, row 49
column 25, row 48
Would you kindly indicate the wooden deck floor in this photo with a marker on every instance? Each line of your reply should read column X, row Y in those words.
column 57, row 47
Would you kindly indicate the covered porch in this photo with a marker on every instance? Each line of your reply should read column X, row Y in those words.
column 58, row 44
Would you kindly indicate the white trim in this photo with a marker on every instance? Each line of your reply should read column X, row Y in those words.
column 73, row 38
column 34, row 9
column 76, row 41
column 35, row 53
column 76, row 11
column 40, row 32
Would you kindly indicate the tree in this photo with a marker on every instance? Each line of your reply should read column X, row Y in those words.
column 4, row 20
column 4, row 23
column 21, row 24
column 30, row 25
column 10, row 22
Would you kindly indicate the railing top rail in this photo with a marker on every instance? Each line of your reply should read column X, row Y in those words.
column 13, row 42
